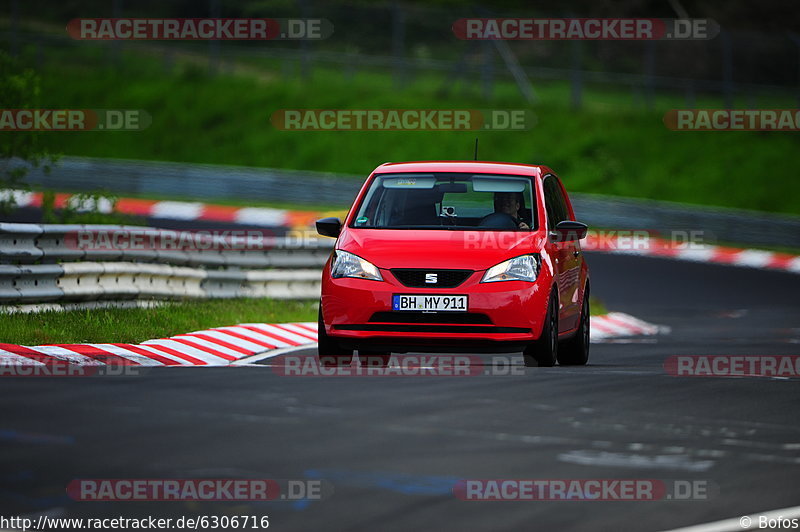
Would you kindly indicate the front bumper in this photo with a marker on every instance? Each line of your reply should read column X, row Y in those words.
column 502, row 316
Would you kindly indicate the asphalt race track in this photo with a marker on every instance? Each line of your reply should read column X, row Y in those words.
column 392, row 447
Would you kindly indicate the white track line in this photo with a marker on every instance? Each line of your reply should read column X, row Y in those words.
column 737, row 524
column 270, row 354
column 287, row 337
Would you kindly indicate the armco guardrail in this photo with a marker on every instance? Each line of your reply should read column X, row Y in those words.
column 714, row 224
column 43, row 263
column 35, row 243
column 210, row 182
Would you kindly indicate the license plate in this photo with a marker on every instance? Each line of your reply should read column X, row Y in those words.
column 431, row 303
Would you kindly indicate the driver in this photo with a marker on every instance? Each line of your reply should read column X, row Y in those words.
column 509, row 203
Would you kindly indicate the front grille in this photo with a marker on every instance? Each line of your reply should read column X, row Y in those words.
column 415, row 278
column 472, row 318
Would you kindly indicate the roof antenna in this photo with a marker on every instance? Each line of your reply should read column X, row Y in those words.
column 476, row 148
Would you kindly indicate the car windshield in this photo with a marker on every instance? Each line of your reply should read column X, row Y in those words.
column 452, row 201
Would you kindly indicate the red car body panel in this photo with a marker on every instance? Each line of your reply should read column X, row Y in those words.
column 516, row 309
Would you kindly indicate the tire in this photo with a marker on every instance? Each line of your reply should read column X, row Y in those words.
column 575, row 351
column 328, row 351
column 374, row 359
column 544, row 351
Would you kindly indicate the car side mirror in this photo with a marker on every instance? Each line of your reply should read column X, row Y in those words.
column 569, row 231
column 329, row 227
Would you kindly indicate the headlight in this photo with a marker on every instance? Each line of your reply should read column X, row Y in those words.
column 348, row 265
column 523, row 268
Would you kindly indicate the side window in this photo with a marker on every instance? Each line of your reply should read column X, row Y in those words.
column 555, row 203
column 563, row 210
column 552, row 202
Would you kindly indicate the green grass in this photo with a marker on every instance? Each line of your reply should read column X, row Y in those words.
column 612, row 146
column 597, row 307
column 138, row 325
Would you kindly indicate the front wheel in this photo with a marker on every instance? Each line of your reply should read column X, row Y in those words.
column 575, row 351
column 544, row 351
column 328, row 351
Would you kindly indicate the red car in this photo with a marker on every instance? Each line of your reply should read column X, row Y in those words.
column 456, row 257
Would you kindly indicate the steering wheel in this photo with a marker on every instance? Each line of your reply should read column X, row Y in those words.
column 498, row 220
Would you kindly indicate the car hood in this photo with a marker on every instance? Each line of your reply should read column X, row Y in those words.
column 472, row 250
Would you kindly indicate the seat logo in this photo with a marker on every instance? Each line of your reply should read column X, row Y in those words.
column 431, row 278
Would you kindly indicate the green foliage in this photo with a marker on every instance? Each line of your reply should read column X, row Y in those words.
column 610, row 147
column 137, row 325
column 140, row 324
column 613, row 145
column 84, row 208
column 19, row 89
